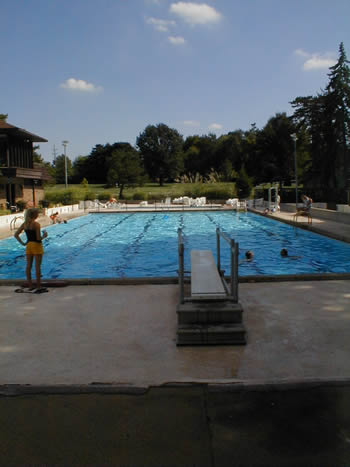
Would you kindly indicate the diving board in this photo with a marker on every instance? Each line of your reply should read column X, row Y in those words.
column 205, row 278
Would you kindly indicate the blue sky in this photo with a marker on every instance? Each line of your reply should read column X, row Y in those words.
column 96, row 72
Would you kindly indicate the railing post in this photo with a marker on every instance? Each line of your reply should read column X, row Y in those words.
column 218, row 260
column 232, row 264
column 235, row 294
column 181, row 266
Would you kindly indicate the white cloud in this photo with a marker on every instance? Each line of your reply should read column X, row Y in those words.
column 176, row 40
column 192, row 123
column 215, row 126
column 316, row 61
column 195, row 13
column 80, row 85
column 301, row 53
column 160, row 24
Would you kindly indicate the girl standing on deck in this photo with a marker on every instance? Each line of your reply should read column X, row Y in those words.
column 34, row 248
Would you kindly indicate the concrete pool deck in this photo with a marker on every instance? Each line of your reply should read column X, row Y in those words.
column 125, row 335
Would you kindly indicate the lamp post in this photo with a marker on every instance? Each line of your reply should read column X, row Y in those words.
column 64, row 144
column 294, row 138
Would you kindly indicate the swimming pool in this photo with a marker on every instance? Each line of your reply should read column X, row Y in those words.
column 145, row 245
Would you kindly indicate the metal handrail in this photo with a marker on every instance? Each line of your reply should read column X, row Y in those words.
column 181, row 271
column 232, row 290
column 13, row 221
column 233, row 263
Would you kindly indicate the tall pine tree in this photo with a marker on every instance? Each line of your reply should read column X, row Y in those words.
column 326, row 119
column 338, row 109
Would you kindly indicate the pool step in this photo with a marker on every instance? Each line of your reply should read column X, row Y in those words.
column 208, row 334
column 210, row 322
column 209, row 312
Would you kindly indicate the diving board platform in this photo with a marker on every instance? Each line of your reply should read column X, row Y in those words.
column 205, row 278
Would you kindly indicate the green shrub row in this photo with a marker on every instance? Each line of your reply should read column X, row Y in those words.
column 72, row 195
column 211, row 191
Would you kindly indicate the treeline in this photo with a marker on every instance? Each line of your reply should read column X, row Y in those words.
column 318, row 134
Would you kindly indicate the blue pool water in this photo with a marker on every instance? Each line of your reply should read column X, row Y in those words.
column 145, row 245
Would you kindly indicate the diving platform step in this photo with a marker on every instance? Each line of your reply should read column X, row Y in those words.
column 205, row 279
column 228, row 334
column 199, row 312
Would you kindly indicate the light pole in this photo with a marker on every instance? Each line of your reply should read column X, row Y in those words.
column 294, row 138
column 64, row 144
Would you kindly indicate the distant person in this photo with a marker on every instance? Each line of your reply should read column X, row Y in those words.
column 278, row 202
column 307, row 204
column 248, row 256
column 266, row 211
column 34, row 247
column 54, row 218
column 284, row 254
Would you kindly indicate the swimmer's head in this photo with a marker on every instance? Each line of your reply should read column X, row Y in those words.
column 284, row 252
column 249, row 254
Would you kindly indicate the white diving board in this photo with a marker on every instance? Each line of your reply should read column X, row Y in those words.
column 205, row 278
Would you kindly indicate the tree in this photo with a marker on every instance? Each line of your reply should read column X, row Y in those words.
column 325, row 120
column 95, row 165
column 124, row 168
column 243, row 184
column 79, row 169
column 59, row 172
column 338, row 108
column 3, row 117
column 276, row 151
column 161, row 150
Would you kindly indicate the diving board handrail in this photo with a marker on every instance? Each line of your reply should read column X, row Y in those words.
column 181, row 271
column 233, row 263
column 232, row 290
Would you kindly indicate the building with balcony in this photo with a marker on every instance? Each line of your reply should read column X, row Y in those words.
column 20, row 177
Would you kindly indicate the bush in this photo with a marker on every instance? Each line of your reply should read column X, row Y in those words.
column 90, row 196
column 105, row 196
column 21, row 205
column 156, row 196
column 243, row 184
column 85, row 183
column 4, row 212
column 140, row 195
column 43, row 203
column 219, row 192
column 194, row 191
column 65, row 197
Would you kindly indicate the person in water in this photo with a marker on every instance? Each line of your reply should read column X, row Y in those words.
column 34, row 247
column 284, row 254
column 248, row 256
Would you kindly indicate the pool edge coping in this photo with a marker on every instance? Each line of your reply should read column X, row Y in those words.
column 64, row 282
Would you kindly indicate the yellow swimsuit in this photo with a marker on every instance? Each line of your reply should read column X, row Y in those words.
column 34, row 246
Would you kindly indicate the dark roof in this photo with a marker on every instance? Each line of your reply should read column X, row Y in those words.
column 6, row 128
